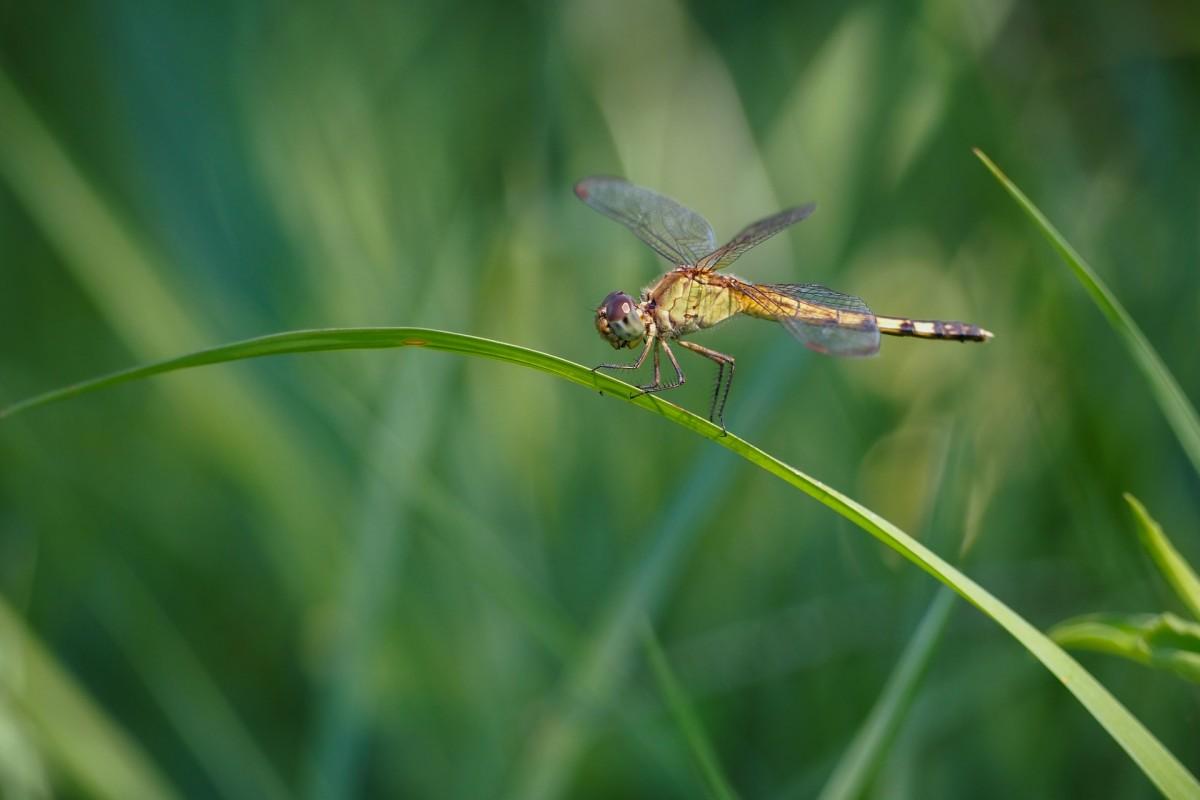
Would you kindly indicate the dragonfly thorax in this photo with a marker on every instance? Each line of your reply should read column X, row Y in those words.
column 621, row 321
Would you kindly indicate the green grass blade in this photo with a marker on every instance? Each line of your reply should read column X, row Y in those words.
column 1174, row 568
column 309, row 341
column 1180, row 413
column 858, row 763
column 74, row 735
column 1159, row 765
column 686, row 717
column 1161, row 641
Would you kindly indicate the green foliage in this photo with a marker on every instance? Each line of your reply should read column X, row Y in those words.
column 864, row 753
column 1159, row 765
column 686, row 718
column 1162, row 641
column 73, row 734
column 1170, row 563
column 399, row 574
column 1179, row 411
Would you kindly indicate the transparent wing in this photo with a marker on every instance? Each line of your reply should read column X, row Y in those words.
column 752, row 235
column 823, row 320
column 676, row 233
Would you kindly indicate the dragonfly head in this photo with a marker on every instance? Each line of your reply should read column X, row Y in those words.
column 619, row 320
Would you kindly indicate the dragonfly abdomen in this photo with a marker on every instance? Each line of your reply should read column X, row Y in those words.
column 932, row 329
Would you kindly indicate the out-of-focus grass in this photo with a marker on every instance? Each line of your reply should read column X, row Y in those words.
column 866, row 750
column 78, row 739
column 1179, row 411
column 686, row 718
column 1161, row 641
column 1177, row 572
column 869, row 747
column 189, row 697
column 303, row 167
column 1160, row 766
column 126, row 283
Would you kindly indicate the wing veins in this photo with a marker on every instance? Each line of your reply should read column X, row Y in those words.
column 753, row 235
column 673, row 230
column 643, row 231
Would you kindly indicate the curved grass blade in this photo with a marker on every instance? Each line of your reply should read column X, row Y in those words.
column 1179, row 411
column 1161, row 641
column 1172, row 565
column 686, row 717
column 326, row 339
column 1159, row 765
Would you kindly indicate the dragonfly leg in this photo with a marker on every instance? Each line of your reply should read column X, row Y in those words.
column 658, row 385
column 716, row 412
column 641, row 359
column 657, row 382
column 680, row 380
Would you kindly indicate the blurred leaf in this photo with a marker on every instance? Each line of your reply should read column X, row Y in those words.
column 1163, row 769
column 1161, row 641
column 686, row 717
column 398, row 451
column 1173, row 566
column 481, row 552
column 188, row 695
column 1179, row 411
column 73, row 733
column 861, row 758
column 126, row 279
column 22, row 771
column 595, row 675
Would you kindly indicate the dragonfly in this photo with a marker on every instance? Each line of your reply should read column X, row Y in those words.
column 696, row 295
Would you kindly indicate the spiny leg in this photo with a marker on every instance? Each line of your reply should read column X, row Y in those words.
column 725, row 396
column 657, row 376
column 658, row 385
column 712, row 407
column 716, row 412
column 641, row 359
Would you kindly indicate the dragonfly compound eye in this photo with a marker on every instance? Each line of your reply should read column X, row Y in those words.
column 620, row 321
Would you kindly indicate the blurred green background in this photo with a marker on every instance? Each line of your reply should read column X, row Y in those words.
column 411, row 574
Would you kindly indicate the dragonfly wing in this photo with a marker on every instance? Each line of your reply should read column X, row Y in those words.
column 823, row 320
column 676, row 233
column 752, row 235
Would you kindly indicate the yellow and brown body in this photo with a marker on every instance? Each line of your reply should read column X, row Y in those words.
column 686, row 300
